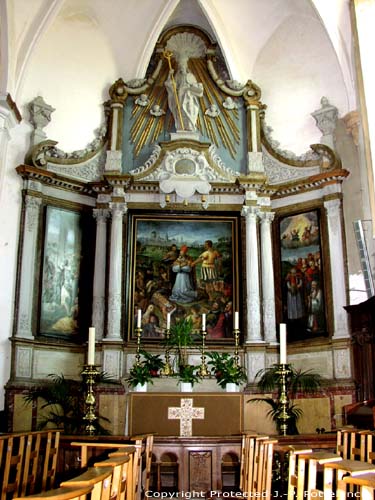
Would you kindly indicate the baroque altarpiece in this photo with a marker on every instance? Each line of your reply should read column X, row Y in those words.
column 185, row 163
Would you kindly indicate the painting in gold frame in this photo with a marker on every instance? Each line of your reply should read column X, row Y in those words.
column 302, row 275
column 185, row 265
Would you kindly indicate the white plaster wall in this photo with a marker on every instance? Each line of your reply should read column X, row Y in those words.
column 294, row 70
column 72, row 69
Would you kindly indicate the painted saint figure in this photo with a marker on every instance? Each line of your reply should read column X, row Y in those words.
column 294, row 285
column 208, row 258
column 183, row 289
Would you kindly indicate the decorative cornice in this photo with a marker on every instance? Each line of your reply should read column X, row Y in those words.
column 46, row 153
column 311, row 183
column 52, row 179
column 319, row 155
column 9, row 113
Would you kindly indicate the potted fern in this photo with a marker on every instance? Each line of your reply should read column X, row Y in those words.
column 298, row 381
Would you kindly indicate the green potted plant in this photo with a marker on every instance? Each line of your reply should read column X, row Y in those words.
column 226, row 369
column 180, row 339
column 64, row 403
column 189, row 375
column 298, row 381
column 139, row 376
column 154, row 362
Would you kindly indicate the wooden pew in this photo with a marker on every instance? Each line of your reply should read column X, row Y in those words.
column 60, row 494
column 14, row 448
column 86, row 446
column 120, row 474
column 100, row 478
column 28, row 461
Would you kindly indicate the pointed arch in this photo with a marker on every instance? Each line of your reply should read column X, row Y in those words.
column 154, row 35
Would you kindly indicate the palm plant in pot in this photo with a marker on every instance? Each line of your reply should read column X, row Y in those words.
column 226, row 369
column 62, row 404
column 180, row 339
column 298, row 381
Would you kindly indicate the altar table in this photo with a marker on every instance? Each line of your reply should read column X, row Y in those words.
column 185, row 414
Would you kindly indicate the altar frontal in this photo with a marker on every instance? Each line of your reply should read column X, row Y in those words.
column 207, row 415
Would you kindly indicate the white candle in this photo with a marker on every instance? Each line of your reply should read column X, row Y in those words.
column 91, row 348
column 282, row 343
column 139, row 318
column 204, row 322
column 168, row 321
column 236, row 320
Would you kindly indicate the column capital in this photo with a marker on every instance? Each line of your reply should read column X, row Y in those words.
column 250, row 211
column 118, row 209
column 100, row 214
column 266, row 217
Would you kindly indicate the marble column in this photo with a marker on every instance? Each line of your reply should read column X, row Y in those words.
column 336, row 248
column 115, row 272
column 268, row 286
column 28, row 266
column 98, row 305
column 253, row 332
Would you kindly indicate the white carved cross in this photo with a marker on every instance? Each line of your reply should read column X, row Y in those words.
column 185, row 413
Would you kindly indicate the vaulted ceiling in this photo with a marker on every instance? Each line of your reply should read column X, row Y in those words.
column 70, row 51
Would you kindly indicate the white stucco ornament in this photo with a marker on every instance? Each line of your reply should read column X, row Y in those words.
column 185, row 172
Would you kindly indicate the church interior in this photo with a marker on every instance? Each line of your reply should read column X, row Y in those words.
column 187, row 237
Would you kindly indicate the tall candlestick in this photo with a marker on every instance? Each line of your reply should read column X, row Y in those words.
column 139, row 318
column 168, row 321
column 91, row 348
column 204, row 322
column 236, row 320
column 282, row 343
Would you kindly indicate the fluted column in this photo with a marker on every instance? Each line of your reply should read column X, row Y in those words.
column 115, row 272
column 28, row 265
column 336, row 246
column 268, row 286
column 98, row 303
column 253, row 333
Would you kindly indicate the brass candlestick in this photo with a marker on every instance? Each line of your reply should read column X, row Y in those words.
column 167, row 369
column 283, row 371
column 203, row 370
column 138, row 332
column 89, row 375
column 236, row 334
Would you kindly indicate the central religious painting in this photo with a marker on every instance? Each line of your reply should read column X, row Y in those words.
column 184, row 265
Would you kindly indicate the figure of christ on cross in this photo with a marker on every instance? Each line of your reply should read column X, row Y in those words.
column 185, row 413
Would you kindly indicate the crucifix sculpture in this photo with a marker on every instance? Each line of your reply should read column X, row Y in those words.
column 185, row 413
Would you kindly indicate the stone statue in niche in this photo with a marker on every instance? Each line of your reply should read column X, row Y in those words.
column 183, row 92
column 182, row 87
